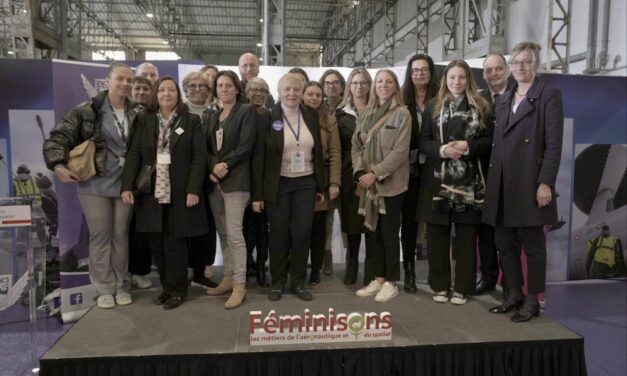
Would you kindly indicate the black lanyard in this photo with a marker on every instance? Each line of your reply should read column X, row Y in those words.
column 119, row 123
column 297, row 132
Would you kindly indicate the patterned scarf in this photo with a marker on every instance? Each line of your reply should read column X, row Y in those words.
column 370, row 203
column 462, row 182
column 162, row 184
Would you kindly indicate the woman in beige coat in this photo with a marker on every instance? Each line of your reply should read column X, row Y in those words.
column 380, row 156
column 331, row 150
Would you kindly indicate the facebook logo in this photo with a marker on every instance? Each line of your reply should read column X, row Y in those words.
column 76, row 299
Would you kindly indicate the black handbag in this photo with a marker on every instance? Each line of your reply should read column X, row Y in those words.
column 143, row 183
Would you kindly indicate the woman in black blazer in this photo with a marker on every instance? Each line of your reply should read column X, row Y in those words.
column 230, row 145
column 168, row 144
column 292, row 179
column 524, row 163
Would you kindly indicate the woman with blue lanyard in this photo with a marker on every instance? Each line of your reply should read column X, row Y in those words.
column 293, row 180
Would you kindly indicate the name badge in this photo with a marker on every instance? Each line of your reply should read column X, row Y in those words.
column 163, row 158
column 298, row 162
column 122, row 161
column 179, row 131
column 219, row 137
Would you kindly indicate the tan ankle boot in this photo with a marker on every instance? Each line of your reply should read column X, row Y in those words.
column 224, row 287
column 327, row 263
column 237, row 297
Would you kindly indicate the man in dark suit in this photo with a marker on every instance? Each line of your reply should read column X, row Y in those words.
column 495, row 73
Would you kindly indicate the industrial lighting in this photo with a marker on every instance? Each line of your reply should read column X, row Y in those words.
column 261, row 59
column 11, row 52
column 165, row 42
column 259, row 44
column 261, row 20
column 150, row 15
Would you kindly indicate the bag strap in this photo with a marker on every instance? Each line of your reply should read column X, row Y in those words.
column 379, row 123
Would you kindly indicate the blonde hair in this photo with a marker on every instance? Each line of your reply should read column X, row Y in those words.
column 291, row 78
column 348, row 96
column 532, row 47
column 474, row 99
column 373, row 100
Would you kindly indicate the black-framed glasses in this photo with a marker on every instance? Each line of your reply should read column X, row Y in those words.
column 332, row 83
column 258, row 90
column 417, row 71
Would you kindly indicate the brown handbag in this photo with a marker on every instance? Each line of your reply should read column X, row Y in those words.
column 81, row 160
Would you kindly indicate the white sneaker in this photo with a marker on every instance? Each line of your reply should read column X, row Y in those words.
column 106, row 301
column 370, row 290
column 123, row 298
column 440, row 297
column 208, row 271
column 458, row 298
column 388, row 292
column 140, row 281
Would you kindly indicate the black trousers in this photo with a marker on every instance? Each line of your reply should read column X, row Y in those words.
column 318, row 239
column 202, row 249
column 487, row 254
column 256, row 234
column 139, row 251
column 409, row 226
column 354, row 241
column 438, row 244
column 533, row 242
column 290, row 220
column 384, row 241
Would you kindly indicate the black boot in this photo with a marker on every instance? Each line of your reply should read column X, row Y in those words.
column 261, row 273
column 350, row 275
column 368, row 271
column 410, row 275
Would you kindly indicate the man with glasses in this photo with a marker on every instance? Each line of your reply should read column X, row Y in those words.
column 248, row 68
column 495, row 73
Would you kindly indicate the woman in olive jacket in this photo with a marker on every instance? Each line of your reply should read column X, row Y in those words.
column 170, row 138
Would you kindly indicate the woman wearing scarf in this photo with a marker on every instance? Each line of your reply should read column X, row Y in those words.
column 453, row 136
column 380, row 154
column 170, row 149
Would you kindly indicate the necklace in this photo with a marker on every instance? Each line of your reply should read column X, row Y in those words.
column 520, row 95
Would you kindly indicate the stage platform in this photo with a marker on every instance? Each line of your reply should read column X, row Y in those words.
column 202, row 338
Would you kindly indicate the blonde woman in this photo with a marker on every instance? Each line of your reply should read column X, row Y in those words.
column 380, row 154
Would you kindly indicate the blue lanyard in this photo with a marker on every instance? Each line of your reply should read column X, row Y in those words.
column 297, row 133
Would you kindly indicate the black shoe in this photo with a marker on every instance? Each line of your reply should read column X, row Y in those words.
column 484, row 287
column 527, row 312
column 314, row 278
column 162, row 298
column 409, row 284
column 203, row 282
column 302, row 293
column 173, row 302
column 508, row 306
column 276, row 293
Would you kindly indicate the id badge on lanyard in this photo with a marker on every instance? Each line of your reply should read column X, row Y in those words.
column 298, row 162
column 219, row 138
column 163, row 158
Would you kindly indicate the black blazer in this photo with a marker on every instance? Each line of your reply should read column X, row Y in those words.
column 526, row 151
column 267, row 178
column 187, row 175
column 262, row 120
column 238, row 141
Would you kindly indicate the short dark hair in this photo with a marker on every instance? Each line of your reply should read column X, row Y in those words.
column 298, row 70
column 209, row 66
column 153, row 104
column 142, row 80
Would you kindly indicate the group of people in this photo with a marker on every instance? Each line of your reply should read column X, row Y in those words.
column 478, row 167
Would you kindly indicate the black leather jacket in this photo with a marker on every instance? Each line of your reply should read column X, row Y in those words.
column 79, row 125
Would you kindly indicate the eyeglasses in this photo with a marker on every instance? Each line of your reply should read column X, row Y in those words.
column 417, row 71
column 359, row 83
column 515, row 63
column 197, row 87
column 258, row 90
column 332, row 83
